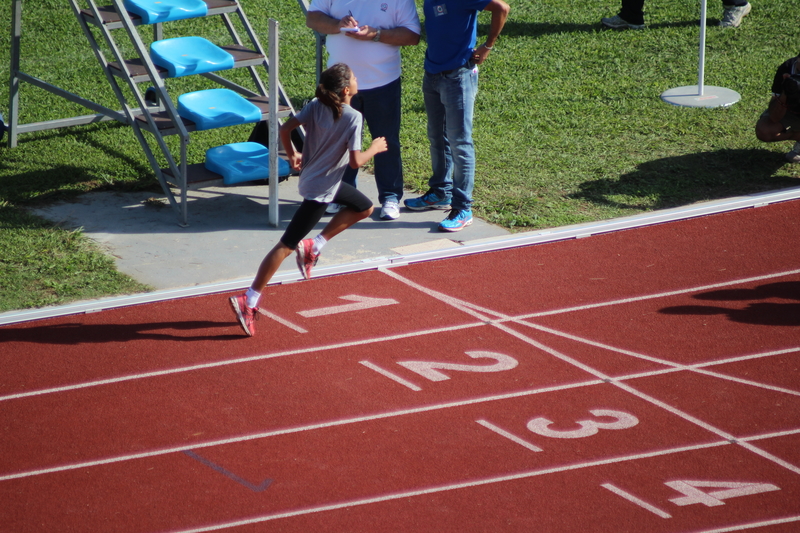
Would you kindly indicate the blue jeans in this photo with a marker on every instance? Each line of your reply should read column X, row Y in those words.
column 381, row 109
column 450, row 104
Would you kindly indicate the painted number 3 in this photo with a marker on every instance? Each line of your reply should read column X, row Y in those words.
column 587, row 428
column 622, row 420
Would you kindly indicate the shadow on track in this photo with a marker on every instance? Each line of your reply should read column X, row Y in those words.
column 76, row 333
column 759, row 313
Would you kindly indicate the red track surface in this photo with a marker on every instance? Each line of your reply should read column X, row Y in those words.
column 641, row 381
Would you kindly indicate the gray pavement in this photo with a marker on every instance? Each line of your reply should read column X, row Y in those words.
column 229, row 233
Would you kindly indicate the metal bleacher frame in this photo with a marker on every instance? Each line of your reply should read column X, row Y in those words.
column 160, row 118
column 320, row 44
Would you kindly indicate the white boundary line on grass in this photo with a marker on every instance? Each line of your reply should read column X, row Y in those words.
column 480, row 246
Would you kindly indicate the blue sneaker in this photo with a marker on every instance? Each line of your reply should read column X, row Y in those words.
column 429, row 200
column 457, row 220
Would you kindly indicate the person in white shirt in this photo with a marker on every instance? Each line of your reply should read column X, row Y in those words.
column 367, row 35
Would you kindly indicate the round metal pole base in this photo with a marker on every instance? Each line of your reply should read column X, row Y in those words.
column 689, row 96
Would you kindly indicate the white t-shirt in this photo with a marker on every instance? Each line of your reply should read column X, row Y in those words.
column 326, row 151
column 374, row 64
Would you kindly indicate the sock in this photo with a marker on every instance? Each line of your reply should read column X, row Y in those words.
column 252, row 298
column 319, row 242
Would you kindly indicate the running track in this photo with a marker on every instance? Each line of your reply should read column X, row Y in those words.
column 645, row 380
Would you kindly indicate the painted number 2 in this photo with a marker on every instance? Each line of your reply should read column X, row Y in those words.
column 431, row 370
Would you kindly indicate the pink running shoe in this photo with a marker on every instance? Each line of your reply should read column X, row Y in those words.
column 306, row 258
column 246, row 315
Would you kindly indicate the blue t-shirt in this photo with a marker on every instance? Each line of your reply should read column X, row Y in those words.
column 451, row 27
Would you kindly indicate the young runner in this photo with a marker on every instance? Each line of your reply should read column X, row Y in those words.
column 333, row 140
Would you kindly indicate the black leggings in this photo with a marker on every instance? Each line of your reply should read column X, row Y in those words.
column 310, row 212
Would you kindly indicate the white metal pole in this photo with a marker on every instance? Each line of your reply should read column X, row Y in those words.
column 701, row 68
column 274, row 220
column 699, row 95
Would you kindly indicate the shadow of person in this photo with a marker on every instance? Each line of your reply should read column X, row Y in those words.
column 681, row 180
column 788, row 290
column 76, row 333
column 759, row 313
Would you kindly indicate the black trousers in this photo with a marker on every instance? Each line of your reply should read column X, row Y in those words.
column 632, row 10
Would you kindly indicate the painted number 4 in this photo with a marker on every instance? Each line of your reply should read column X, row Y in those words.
column 697, row 492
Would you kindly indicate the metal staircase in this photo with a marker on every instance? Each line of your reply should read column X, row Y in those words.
column 152, row 113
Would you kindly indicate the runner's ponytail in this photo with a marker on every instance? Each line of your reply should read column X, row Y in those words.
column 332, row 83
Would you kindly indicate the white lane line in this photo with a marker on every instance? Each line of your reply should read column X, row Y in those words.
column 751, row 383
column 660, row 294
column 776, row 434
column 500, row 431
column 299, row 429
column 522, row 320
column 669, row 408
column 752, row 525
column 450, row 487
column 633, row 499
column 466, row 307
column 282, row 320
column 391, row 376
column 739, row 358
column 624, row 386
column 204, row 366
column 695, row 367
column 472, row 309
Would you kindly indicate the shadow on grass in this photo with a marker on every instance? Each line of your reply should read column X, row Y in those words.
column 759, row 312
column 43, row 179
column 685, row 179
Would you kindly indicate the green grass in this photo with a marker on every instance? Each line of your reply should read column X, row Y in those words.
column 569, row 124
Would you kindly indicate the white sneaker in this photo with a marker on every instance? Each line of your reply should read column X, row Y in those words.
column 618, row 23
column 390, row 210
column 332, row 208
column 794, row 155
column 732, row 16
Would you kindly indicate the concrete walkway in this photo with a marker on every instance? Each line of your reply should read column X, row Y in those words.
column 229, row 234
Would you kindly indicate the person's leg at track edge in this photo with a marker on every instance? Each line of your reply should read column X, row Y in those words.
column 356, row 207
column 440, row 184
column 456, row 92
column 381, row 108
column 631, row 16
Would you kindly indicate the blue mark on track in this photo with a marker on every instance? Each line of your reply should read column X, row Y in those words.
column 227, row 473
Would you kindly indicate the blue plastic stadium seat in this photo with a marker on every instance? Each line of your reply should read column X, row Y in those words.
column 183, row 56
column 154, row 11
column 217, row 108
column 239, row 162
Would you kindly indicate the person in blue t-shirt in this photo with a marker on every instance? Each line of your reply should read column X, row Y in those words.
column 449, row 86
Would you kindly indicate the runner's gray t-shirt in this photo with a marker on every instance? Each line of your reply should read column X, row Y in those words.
column 326, row 152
